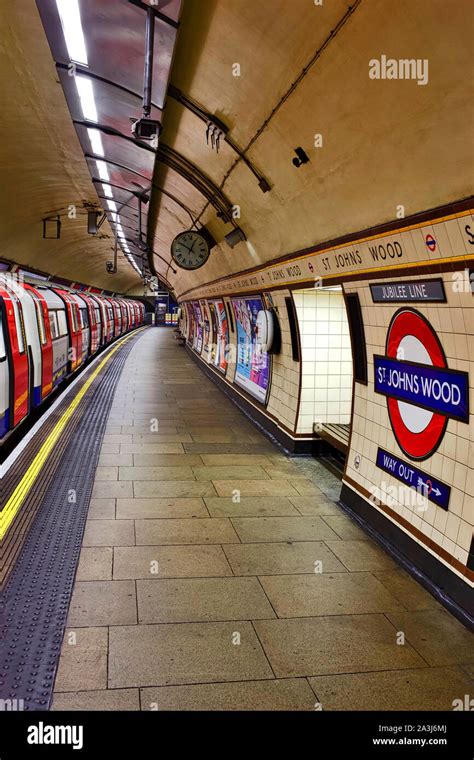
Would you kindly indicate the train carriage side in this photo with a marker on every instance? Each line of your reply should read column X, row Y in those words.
column 95, row 324
column 125, row 318
column 45, row 341
column 14, row 371
column 85, row 326
column 31, row 326
column 59, row 334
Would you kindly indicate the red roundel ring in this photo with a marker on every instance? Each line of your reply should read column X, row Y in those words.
column 408, row 324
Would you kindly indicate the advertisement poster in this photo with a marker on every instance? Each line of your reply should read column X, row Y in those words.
column 222, row 336
column 206, row 330
column 214, row 342
column 197, row 342
column 190, row 324
column 252, row 370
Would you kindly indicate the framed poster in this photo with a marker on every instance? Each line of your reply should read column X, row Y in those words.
column 253, row 365
column 222, row 336
column 189, row 324
column 214, row 343
column 197, row 342
column 207, row 338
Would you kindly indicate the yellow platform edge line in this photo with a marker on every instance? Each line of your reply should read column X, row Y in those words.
column 23, row 488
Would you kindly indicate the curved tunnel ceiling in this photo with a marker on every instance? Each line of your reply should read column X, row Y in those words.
column 303, row 71
column 274, row 75
column 99, row 50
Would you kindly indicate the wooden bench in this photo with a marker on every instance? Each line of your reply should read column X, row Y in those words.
column 337, row 435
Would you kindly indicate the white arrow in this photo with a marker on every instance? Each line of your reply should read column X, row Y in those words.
column 437, row 491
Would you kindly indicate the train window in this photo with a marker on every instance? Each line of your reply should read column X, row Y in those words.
column 62, row 325
column 53, row 323
column 20, row 331
column 84, row 318
column 40, row 321
column 75, row 326
column 2, row 339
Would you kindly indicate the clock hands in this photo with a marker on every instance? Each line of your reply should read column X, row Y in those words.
column 188, row 249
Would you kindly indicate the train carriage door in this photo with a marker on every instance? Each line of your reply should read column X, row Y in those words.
column 4, row 374
column 18, row 359
column 44, row 332
column 94, row 323
column 82, row 315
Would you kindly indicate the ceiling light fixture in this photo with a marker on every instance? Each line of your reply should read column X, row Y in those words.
column 234, row 237
column 86, row 96
column 102, row 169
column 70, row 16
column 96, row 141
column 107, row 191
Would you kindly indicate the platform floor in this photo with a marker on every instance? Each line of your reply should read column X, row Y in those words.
column 215, row 574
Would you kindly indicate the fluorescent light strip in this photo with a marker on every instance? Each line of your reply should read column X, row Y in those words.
column 107, row 191
column 70, row 16
column 112, row 205
column 102, row 169
column 96, row 141
column 86, row 96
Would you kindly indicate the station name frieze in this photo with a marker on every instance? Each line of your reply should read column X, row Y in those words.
column 429, row 242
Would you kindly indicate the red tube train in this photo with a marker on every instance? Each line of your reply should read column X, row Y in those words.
column 47, row 332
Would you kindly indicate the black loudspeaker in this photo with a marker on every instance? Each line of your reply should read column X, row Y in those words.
column 92, row 219
column 359, row 346
column 276, row 345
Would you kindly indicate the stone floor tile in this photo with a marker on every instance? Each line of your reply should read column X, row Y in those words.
column 282, row 558
column 334, row 644
column 95, row 564
column 327, row 594
column 83, row 663
column 99, row 603
column 170, row 562
column 180, row 653
column 195, row 530
column 188, row 600
column 109, row 533
column 272, row 529
column 416, row 689
column 278, row 694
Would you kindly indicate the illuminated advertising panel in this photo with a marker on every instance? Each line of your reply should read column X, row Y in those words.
column 222, row 337
column 197, row 342
column 253, row 365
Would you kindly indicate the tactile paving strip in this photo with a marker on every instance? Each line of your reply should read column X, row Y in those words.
column 35, row 602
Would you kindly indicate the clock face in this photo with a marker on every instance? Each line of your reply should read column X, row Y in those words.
column 190, row 250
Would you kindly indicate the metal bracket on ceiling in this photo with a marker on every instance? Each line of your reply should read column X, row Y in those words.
column 178, row 163
column 216, row 127
column 113, row 133
column 198, row 179
column 151, row 7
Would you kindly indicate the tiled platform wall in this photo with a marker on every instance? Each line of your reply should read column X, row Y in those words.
column 285, row 384
column 447, row 534
column 326, row 390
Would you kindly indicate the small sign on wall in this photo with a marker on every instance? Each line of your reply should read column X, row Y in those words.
column 408, row 290
column 426, row 485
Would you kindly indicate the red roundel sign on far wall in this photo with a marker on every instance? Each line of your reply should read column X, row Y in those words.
column 418, row 431
column 422, row 392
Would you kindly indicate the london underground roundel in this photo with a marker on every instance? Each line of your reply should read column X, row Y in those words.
column 422, row 392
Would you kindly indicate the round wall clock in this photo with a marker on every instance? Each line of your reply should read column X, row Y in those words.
column 190, row 250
